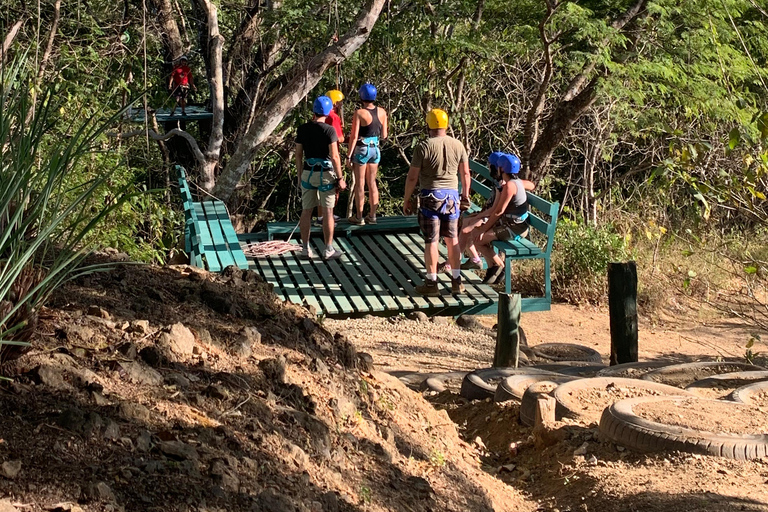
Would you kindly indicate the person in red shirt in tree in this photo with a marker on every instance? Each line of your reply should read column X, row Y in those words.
column 180, row 82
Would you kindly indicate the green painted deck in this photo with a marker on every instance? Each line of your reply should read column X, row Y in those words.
column 376, row 274
column 194, row 113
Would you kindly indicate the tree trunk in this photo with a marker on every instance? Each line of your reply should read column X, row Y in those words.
column 272, row 114
column 171, row 34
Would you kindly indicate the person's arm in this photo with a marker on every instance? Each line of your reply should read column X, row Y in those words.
column 499, row 207
column 384, row 125
column 170, row 81
column 466, row 181
column 528, row 185
column 410, row 186
column 334, row 150
column 192, row 81
column 299, row 162
column 354, row 131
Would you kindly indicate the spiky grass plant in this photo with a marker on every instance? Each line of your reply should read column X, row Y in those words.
column 48, row 208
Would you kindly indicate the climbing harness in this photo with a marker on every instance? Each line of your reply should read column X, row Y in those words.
column 324, row 164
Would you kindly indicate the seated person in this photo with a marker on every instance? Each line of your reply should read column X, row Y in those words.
column 471, row 221
column 508, row 218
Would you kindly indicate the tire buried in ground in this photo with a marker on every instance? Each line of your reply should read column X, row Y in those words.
column 531, row 396
column 682, row 375
column 585, row 399
column 620, row 424
column 724, row 386
column 565, row 352
column 753, row 394
column 513, row 388
column 581, row 369
column 481, row 384
column 443, row 381
column 632, row 370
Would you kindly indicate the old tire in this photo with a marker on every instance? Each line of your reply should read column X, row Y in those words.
column 681, row 375
column 619, row 424
column 581, row 369
column 632, row 370
column 747, row 394
column 442, row 381
column 481, row 384
column 531, row 396
column 513, row 388
column 734, row 381
column 566, row 352
column 568, row 406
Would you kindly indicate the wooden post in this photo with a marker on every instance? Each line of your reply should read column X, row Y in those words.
column 622, row 306
column 545, row 410
column 508, row 332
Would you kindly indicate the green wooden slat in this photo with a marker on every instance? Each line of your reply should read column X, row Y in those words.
column 207, row 247
column 416, row 246
column 219, row 244
column 418, row 267
column 293, row 269
column 521, row 249
column 377, row 262
column 297, row 266
column 261, row 265
column 337, row 293
column 359, row 266
column 483, row 190
column 401, row 270
column 230, row 236
column 282, row 277
column 540, row 204
column 384, row 224
column 480, row 169
column 354, row 296
column 348, row 264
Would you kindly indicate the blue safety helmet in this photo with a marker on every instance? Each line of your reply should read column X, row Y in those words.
column 368, row 92
column 323, row 106
column 509, row 164
column 493, row 158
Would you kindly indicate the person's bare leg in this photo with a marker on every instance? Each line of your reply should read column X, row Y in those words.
column 352, row 188
column 359, row 170
column 454, row 254
column 373, row 188
column 484, row 246
column 329, row 223
column 183, row 106
column 430, row 257
column 304, row 225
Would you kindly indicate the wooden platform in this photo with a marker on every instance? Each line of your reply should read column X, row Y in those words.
column 193, row 113
column 376, row 274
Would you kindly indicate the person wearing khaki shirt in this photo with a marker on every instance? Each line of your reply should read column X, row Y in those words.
column 437, row 165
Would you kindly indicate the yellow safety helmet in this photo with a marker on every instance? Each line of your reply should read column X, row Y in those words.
column 437, row 119
column 335, row 95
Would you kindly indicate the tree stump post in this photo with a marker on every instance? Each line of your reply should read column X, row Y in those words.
column 508, row 331
column 622, row 307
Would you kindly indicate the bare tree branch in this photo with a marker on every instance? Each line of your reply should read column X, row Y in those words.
column 169, row 134
column 9, row 37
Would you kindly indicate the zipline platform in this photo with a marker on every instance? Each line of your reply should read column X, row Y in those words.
column 376, row 274
column 163, row 115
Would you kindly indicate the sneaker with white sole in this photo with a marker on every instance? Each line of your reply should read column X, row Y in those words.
column 332, row 254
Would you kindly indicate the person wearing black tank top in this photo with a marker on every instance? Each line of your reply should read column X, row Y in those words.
column 369, row 127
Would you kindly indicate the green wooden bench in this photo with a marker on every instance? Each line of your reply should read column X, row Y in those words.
column 524, row 248
column 210, row 239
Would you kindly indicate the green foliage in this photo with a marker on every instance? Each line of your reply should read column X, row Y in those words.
column 580, row 259
column 48, row 209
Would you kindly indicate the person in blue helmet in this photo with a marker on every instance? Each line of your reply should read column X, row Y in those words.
column 470, row 222
column 369, row 128
column 320, row 172
column 507, row 219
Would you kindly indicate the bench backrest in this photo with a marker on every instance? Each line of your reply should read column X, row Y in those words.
column 483, row 183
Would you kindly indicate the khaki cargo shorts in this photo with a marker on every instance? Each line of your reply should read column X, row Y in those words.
column 312, row 197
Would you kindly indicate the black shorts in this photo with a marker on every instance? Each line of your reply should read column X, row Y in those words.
column 440, row 225
column 181, row 92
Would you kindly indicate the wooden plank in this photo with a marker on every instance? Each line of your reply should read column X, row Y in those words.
column 261, row 265
column 400, row 269
column 538, row 223
column 382, row 266
column 480, row 169
column 219, row 244
column 280, row 277
column 338, row 293
column 415, row 256
column 541, row 204
column 384, row 224
column 361, row 285
column 318, row 286
column 372, row 284
column 415, row 244
column 207, row 248
column 472, row 282
column 354, row 295
column 230, row 235
column 482, row 189
column 306, row 290
column 519, row 249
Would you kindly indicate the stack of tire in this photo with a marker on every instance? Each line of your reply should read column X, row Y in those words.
column 584, row 390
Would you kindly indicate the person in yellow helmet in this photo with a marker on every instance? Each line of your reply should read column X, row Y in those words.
column 437, row 166
column 334, row 118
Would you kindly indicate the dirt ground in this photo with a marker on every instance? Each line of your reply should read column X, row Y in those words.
column 576, row 471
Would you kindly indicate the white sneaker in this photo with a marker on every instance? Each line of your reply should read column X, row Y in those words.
column 332, row 254
column 307, row 253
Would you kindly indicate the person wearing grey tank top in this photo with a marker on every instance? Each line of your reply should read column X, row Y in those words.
column 507, row 220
